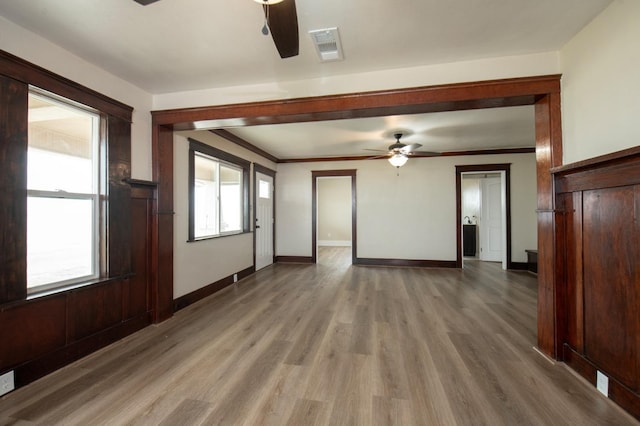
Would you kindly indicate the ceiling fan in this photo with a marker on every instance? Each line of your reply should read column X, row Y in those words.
column 398, row 153
column 281, row 20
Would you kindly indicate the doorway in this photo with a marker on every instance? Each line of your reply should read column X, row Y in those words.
column 483, row 209
column 334, row 216
column 264, row 214
column 343, row 184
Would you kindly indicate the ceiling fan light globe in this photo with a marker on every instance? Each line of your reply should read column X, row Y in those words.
column 398, row 160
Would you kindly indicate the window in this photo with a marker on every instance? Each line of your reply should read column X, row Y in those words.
column 218, row 192
column 264, row 189
column 63, row 170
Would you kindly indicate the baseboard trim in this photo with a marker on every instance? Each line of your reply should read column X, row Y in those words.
column 414, row 263
column 618, row 392
column 294, row 259
column 197, row 295
column 519, row 266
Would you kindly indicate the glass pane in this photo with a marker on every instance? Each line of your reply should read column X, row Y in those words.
column 60, row 240
column 264, row 190
column 61, row 147
column 230, row 199
column 205, row 215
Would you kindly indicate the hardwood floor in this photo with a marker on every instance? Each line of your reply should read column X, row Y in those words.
column 330, row 344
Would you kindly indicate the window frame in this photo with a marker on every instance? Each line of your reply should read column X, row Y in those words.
column 98, row 192
column 223, row 158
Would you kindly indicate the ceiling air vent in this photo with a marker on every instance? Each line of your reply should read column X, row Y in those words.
column 327, row 44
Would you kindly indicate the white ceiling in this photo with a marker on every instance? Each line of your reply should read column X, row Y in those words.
column 176, row 45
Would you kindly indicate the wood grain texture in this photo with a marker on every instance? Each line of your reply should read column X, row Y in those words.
column 330, row 343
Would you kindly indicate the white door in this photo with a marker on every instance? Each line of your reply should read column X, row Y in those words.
column 264, row 220
column 491, row 220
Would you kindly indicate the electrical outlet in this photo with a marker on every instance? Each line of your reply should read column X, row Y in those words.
column 602, row 383
column 235, row 278
column 7, row 383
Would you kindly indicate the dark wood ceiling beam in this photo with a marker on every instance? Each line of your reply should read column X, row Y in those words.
column 243, row 143
column 449, row 97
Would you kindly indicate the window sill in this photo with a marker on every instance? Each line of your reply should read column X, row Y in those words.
column 75, row 286
column 215, row 237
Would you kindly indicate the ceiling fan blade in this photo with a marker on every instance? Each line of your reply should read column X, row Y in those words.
column 409, row 148
column 376, row 150
column 425, row 153
column 283, row 23
column 145, row 2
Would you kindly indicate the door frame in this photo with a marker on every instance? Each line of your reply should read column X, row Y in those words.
column 315, row 174
column 258, row 168
column 484, row 168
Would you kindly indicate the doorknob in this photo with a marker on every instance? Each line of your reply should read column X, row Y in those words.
column 257, row 226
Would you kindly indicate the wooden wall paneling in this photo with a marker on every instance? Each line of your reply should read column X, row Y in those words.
column 574, row 283
column 94, row 308
column 162, row 293
column 138, row 300
column 610, row 290
column 548, row 155
column 30, row 330
column 119, row 194
column 13, row 184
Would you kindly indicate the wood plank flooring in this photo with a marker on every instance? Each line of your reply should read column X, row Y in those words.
column 330, row 344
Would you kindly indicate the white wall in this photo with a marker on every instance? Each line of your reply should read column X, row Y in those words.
column 405, row 216
column 601, row 84
column 334, row 211
column 200, row 263
column 33, row 48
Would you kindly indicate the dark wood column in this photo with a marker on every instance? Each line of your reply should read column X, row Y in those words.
column 548, row 155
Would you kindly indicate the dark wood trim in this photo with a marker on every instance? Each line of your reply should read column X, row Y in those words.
column 541, row 91
column 506, row 167
column 191, row 298
column 614, row 157
column 550, row 263
column 29, row 73
column 412, row 263
column 519, row 266
column 243, row 143
column 294, row 259
column 162, row 148
column 315, row 174
column 257, row 168
column 619, row 393
column 442, row 154
column 438, row 98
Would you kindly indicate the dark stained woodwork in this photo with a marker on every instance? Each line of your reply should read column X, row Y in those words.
column 611, row 282
column 315, row 174
column 294, row 259
column 29, row 73
column 119, row 197
column 143, row 249
column 162, row 295
column 13, row 184
column 414, row 263
column 20, row 323
column 47, row 331
column 482, row 168
column 442, row 154
column 548, row 155
column 243, row 143
column 600, row 201
column 446, row 97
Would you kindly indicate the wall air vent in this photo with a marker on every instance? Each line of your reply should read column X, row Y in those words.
column 327, row 42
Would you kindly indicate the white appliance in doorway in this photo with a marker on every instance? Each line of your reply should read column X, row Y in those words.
column 264, row 220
